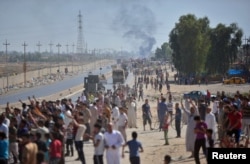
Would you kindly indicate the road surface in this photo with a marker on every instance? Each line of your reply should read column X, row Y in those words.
column 46, row 90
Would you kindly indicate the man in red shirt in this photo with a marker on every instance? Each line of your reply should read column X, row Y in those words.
column 235, row 125
column 55, row 149
column 208, row 98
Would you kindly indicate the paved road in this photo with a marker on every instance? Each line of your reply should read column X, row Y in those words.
column 46, row 90
column 88, row 146
column 109, row 85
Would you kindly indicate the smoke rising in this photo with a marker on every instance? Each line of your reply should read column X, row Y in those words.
column 137, row 23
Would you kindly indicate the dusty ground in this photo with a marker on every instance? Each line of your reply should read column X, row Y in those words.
column 153, row 141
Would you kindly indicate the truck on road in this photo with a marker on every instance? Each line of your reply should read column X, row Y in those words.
column 118, row 76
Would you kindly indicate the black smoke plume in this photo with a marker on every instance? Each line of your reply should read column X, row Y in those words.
column 137, row 23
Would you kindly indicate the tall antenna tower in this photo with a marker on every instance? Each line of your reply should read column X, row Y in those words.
column 80, row 39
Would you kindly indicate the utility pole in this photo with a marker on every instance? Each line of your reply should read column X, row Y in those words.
column 80, row 38
column 73, row 48
column 72, row 59
column 6, row 44
column 24, row 63
column 67, row 48
column 95, row 58
column 67, row 58
column 39, row 45
column 50, row 49
column 58, row 46
column 39, row 67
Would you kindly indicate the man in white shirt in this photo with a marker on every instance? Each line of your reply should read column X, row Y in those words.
column 94, row 116
column 113, row 142
column 170, row 107
column 210, row 121
column 83, row 98
column 122, row 123
column 68, row 117
column 98, row 142
column 81, row 128
column 42, row 129
column 6, row 121
column 115, row 116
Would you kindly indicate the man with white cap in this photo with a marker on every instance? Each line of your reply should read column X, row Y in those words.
column 113, row 142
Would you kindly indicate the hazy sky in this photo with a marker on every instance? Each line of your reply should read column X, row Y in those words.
column 108, row 24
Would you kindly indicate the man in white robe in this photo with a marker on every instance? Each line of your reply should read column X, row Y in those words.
column 115, row 113
column 190, row 135
column 187, row 106
column 113, row 142
column 132, row 115
column 211, row 121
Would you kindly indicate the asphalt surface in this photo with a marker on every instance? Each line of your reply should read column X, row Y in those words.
column 109, row 85
column 46, row 90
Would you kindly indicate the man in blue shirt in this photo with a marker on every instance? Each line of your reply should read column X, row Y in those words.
column 4, row 151
column 134, row 148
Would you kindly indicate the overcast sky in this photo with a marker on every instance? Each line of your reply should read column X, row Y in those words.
column 108, row 24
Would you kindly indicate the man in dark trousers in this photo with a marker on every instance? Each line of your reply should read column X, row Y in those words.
column 200, row 141
column 134, row 148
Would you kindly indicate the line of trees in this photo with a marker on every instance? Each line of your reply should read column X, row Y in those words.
column 198, row 48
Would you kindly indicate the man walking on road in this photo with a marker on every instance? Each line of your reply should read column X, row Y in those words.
column 162, row 109
column 178, row 120
column 98, row 142
column 81, row 128
column 113, row 141
column 200, row 141
column 146, row 115
column 132, row 114
column 122, row 123
column 115, row 113
column 134, row 147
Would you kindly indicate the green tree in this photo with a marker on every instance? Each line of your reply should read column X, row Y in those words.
column 225, row 43
column 190, row 43
column 158, row 53
column 164, row 52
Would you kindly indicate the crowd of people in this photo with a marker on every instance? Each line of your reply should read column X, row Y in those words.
column 47, row 132
column 226, row 121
